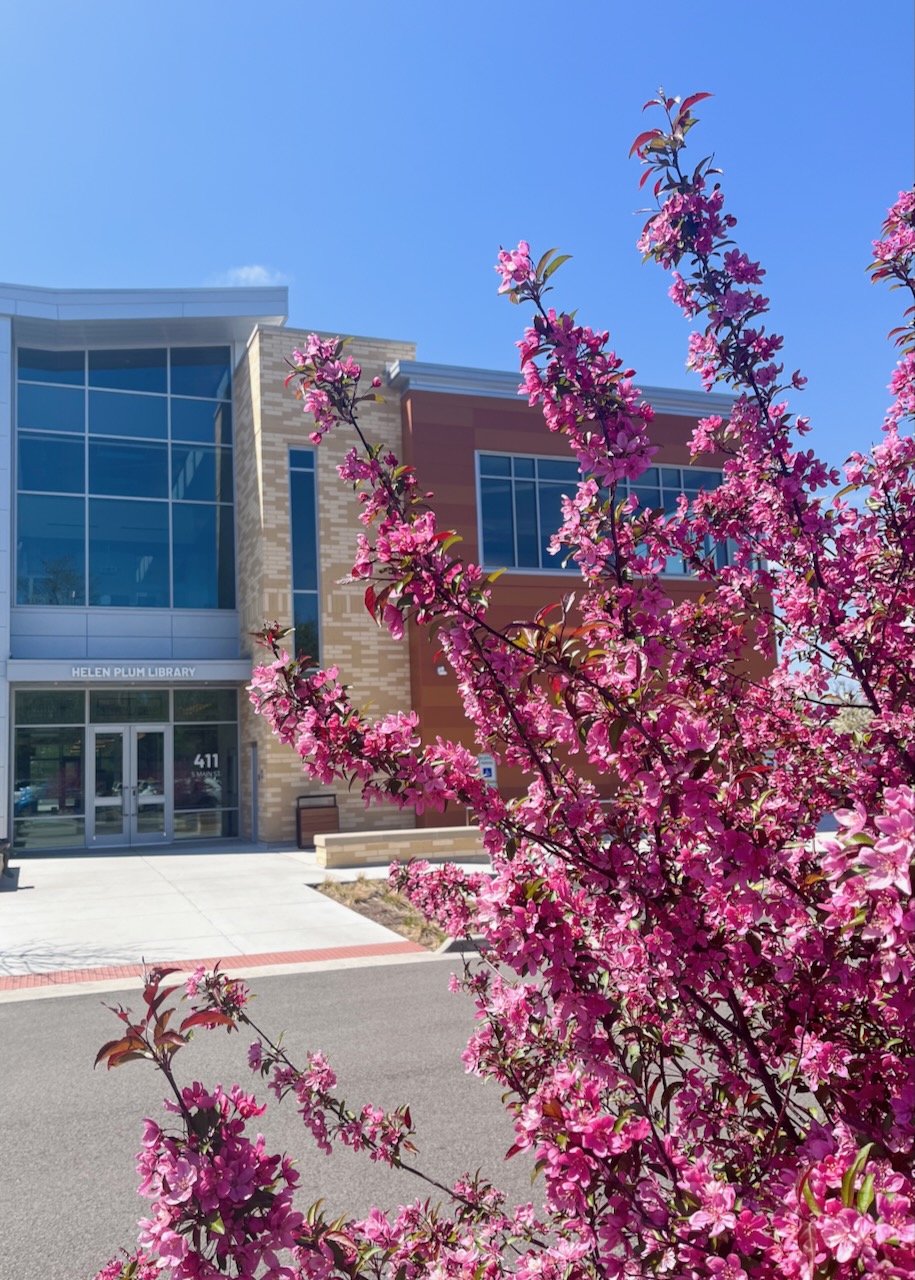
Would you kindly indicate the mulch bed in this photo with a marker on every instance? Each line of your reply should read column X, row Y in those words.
column 374, row 899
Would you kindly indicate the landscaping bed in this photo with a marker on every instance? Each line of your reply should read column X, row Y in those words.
column 376, row 900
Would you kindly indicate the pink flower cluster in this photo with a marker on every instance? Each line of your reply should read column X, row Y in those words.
column 698, row 1010
column 218, row 1197
column 515, row 266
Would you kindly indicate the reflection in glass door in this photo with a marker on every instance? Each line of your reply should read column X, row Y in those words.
column 148, row 782
column 131, row 785
column 108, row 807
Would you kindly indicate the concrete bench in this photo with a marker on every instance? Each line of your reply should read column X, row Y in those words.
column 378, row 848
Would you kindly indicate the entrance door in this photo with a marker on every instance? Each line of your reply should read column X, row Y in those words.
column 130, row 785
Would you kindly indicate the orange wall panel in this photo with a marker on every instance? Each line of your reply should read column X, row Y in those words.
column 442, row 434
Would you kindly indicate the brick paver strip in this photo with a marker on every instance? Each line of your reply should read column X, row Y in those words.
column 56, row 977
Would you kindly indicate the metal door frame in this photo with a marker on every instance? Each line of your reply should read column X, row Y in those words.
column 130, row 836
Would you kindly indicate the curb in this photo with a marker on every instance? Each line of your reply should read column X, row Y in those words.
column 475, row 945
column 61, row 981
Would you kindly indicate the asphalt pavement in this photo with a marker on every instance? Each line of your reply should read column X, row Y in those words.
column 69, row 1134
column 84, row 926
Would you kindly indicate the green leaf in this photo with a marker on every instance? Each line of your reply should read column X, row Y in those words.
column 668, row 1095
column 810, row 1197
column 556, row 264
column 544, row 260
column 866, row 1194
column 848, row 1182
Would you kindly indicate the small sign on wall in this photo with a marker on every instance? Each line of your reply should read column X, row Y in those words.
column 487, row 765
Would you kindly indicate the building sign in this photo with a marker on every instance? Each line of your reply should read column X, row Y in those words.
column 487, row 768
column 133, row 673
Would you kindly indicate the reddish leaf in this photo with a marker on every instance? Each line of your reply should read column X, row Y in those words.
column 118, row 1060
column 170, row 1038
column 643, row 138
column 155, row 976
column 160, row 998
column 164, row 1019
column 105, row 1050
column 807, row 1239
column 370, row 600
column 532, row 355
column 114, row 1047
column 692, row 100
column 207, row 1018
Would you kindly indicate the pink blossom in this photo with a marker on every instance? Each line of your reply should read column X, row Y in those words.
column 846, row 1233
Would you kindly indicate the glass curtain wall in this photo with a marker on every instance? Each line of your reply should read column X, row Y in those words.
column 52, row 770
column 124, row 478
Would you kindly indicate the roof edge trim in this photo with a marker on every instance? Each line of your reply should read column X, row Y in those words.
column 420, row 375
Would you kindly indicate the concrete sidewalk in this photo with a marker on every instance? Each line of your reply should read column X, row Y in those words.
column 69, row 921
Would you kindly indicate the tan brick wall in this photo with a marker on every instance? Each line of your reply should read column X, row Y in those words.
column 378, row 848
column 269, row 422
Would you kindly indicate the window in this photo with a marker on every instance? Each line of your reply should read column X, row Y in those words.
column 206, row 763
column 521, row 506
column 52, row 734
column 662, row 487
column 304, row 544
column 124, row 478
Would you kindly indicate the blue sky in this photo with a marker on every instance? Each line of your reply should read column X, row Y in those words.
column 373, row 157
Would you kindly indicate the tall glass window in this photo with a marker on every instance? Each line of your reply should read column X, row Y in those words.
column 124, row 478
column 206, row 763
column 521, row 506
column 304, row 537
column 48, row 793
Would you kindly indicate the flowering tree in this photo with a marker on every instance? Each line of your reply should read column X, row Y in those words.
column 700, row 1014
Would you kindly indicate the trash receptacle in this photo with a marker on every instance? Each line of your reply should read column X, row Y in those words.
column 314, row 814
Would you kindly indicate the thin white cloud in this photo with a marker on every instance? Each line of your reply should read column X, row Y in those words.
column 253, row 274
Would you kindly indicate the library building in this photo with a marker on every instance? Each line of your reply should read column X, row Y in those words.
column 163, row 501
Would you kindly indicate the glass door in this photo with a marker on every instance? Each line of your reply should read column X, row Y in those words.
column 130, row 785
column 108, row 799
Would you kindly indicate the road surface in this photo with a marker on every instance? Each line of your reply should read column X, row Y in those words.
column 69, row 1134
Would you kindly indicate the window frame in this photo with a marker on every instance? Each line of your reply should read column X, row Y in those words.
column 293, row 589
column 170, row 442
column 557, row 570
